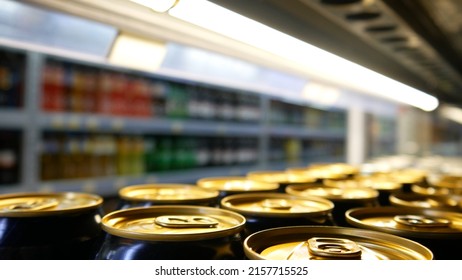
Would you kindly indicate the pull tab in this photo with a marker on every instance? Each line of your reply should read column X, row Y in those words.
column 333, row 248
column 33, row 205
column 186, row 221
column 280, row 204
column 421, row 221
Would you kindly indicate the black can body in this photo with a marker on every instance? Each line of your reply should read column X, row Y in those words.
column 165, row 194
column 70, row 234
column 269, row 210
column 120, row 248
column 344, row 198
column 172, row 232
column 438, row 230
column 62, row 237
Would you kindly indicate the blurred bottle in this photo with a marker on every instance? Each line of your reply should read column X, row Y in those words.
column 195, row 102
column 292, row 147
column 76, row 89
column 89, row 91
column 123, row 155
column 276, row 151
column 49, row 149
column 164, row 154
column 137, row 157
column 9, row 157
column 53, row 87
column 203, row 152
column 103, row 93
column 157, row 92
column 150, row 154
column 11, row 79
column 108, row 151
column 225, row 106
column 177, row 101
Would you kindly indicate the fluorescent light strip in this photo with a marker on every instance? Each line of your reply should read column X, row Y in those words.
column 317, row 61
column 160, row 6
column 451, row 113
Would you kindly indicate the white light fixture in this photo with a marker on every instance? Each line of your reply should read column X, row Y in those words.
column 451, row 113
column 320, row 94
column 160, row 6
column 137, row 52
column 314, row 60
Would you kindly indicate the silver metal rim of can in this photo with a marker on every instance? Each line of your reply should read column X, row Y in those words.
column 31, row 204
column 391, row 243
column 111, row 221
column 203, row 195
column 356, row 216
column 229, row 203
column 299, row 190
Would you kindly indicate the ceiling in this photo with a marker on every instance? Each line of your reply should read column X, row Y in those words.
column 417, row 42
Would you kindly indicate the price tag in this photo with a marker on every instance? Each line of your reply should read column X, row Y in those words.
column 74, row 122
column 222, row 129
column 89, row 187
column 151, row 180
column 235, row 172
column 118, row 124
column 57, row 122
column 93, row 123
column 46, row 188
column 177, row 127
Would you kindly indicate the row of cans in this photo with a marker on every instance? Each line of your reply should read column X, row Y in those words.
column 233, row 218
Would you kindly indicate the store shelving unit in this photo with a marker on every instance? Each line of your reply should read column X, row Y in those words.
column 33, row 121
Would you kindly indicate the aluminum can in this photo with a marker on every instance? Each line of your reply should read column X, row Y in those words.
column 235, row 185
column 344, row 198
column 165, row 194
column 282, row 178
column 268, row 210
column 446, row 182
column 429, row 190
column 172, row 232
column 440, row 202
column 440, row 231
column 406, row 177
column 384, row 184
column 331, row 243
column 323, row 171
column 50, row 226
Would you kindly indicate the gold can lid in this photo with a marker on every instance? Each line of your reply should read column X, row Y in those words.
column 333, row 193
column 235, row 184
column 277, row 205
column 449, row 182
column 281, row 177
column 173, row 223
column 167, row 193
column 448, row 202
column 408, row 222
column 375, row 182
column 429, row 191
column 403, row 176
column 331, row 243
column 46, row 204
column 319, row 172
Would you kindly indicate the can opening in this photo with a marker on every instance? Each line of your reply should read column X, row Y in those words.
column 421, row 221
column 186, row 221
column 334, row 248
